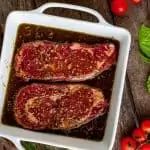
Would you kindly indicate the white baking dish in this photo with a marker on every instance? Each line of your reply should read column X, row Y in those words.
column 102, row 28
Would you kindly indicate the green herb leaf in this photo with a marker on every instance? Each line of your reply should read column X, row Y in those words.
column 148, row 84
column 144, row 40
column 38, row 146
column 144, row 57
column 29, row 145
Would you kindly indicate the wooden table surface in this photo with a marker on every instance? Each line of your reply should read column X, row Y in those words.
column 137, row 71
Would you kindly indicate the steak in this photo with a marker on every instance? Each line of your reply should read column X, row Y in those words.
column 47, row 60
column 65, row 106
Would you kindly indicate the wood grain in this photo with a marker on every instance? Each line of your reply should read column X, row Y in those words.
column 126, row 119
column 1, row 35
column 137, row 70
column 8, row 6
column 6, row 144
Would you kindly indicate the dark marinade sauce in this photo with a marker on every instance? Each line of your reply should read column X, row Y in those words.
column 93, row 130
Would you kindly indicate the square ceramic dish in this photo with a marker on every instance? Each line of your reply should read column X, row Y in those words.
column 103, row 29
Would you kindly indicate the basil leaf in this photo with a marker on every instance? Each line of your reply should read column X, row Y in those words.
column 29, row 145
column 144, row 58
column 148, row 84
column 144, row 40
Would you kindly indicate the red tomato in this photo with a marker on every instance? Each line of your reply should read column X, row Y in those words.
column 145, row 147
column 145, row 126
column 136, row 1
column 128, row 143
column 139, row 135
column 119, row 7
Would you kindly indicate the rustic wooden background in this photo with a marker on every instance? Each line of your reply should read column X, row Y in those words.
column 137, row 71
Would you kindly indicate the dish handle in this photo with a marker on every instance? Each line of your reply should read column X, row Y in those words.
column 93, row 12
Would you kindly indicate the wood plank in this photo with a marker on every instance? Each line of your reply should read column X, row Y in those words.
column 1, row 35
column 126, row 122
column 6, row 144
column 137, row 70
column 126, row 119
column 8, row 6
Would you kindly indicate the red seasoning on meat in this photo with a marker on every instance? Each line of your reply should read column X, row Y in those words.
column 42, row 106
column 46, row 60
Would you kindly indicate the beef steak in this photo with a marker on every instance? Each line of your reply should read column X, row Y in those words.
column 47, row 60
column 65, row 106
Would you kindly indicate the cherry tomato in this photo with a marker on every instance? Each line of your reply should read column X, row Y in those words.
column 139, row 135
column 119, row 7
column 144, row 147
column 128, row 143
column 136, row 1
column 145, row 126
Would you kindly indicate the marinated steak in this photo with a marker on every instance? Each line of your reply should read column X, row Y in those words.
column 46, row 60
column 65, row 106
